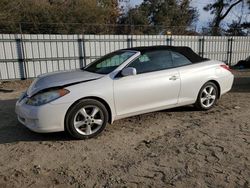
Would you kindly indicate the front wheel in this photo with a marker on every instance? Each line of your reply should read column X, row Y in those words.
column 86, row 119
column 207, row 96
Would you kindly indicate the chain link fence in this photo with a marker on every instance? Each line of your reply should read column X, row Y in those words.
column 29, row 55
column 115, row 29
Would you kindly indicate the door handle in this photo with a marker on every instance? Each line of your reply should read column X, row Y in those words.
column 173, row 77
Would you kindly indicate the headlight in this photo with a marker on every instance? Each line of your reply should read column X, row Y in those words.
column 46, row 97
column 22, row 96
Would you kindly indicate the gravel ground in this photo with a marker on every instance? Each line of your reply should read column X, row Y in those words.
column 180, row 147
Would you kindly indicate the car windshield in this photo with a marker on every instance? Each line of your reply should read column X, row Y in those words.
column 110, row 62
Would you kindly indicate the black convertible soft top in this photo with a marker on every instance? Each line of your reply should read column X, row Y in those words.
column 184, row 50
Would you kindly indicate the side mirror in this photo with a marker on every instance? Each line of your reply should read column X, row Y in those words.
column 128, row 71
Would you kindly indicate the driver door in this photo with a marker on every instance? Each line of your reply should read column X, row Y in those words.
column 155, row 86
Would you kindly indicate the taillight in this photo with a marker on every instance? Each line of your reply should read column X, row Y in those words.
column 225, row 67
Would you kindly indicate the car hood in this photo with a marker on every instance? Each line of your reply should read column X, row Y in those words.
column 58, row 79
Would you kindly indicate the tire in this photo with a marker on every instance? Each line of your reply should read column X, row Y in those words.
column 86, row 119
column 207, row 97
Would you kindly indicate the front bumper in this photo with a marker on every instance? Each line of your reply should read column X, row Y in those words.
column 42, row 119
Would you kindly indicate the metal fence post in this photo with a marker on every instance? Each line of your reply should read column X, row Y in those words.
column 80, row 50
column 169, row 40
column 129, row 42
column 200, row 52
column 84, row 51
column 201, row 46
column 229, row 51
column 21, row 55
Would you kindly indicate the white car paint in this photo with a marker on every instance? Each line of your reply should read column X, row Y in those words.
column 125, row 96
column 145, row 91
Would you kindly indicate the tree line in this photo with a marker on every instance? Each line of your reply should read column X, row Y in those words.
column 110, row 17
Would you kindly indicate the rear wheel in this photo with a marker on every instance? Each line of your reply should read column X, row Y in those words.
column 207, row 97
column 86, row 119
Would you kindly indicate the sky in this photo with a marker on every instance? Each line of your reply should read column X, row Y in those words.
column 204, row 16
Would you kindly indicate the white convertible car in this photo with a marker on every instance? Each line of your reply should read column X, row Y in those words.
column 123, row 83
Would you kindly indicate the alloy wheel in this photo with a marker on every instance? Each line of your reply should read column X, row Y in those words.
column 208, row 96
column 88, row 120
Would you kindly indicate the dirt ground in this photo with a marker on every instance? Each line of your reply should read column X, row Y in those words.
column 180, row 147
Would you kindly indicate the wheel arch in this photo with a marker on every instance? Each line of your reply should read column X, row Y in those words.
column 214, row 82
column 218, row 86
column 110, row 120
column 197, row 103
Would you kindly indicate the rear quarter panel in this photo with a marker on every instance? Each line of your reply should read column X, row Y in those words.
column 194, row 76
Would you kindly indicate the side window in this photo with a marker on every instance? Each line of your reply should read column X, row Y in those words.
column 153, row 61
column 179, row 59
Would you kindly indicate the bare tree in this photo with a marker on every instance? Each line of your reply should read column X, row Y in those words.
column 220, row 9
